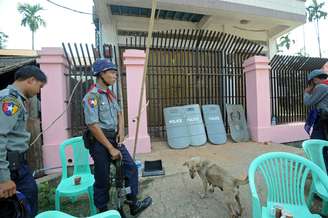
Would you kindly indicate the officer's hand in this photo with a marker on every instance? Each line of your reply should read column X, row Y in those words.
column 7, row 189
column 120, row 138
column 116, row 154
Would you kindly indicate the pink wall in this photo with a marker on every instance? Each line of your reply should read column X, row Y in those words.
column 53, row 62
column 259, row 106
column 134, row 61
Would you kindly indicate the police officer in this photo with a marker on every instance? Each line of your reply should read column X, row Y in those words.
column 103, row 117
column 14, row 171
column 316, row 94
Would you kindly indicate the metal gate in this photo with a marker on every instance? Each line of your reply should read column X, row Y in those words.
column 192, row 67
column 288, row 81
column 80, row 58
column 185, row 67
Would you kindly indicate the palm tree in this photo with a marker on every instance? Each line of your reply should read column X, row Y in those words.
column 302, row 52
column 3, row 39
column 315, row 13
column 31, row 18
column 286, row 42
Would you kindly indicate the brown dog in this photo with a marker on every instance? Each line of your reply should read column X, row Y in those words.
column 212, row 174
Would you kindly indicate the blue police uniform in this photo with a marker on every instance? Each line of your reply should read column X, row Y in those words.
column 318, row 98
column 101, row 108
column 98, row 108
column 14, row 138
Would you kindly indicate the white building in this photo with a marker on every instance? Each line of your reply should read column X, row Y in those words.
column 261, row 21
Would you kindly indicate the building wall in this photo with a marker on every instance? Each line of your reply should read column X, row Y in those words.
column 292, row 6
column 211, row 7
column 268, row 19
column 109, row 31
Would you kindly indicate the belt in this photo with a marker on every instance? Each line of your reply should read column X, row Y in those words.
column 111, row 136
column 110, row 133
column 16, row 159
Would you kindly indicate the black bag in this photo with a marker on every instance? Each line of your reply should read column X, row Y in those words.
column 88, row 139
column 15, row 206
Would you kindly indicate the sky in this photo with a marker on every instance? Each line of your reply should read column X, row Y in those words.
column 306, row 34
column 67, row 26
column 62, row 25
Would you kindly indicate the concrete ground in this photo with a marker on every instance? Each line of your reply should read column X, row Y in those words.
column 177, row 195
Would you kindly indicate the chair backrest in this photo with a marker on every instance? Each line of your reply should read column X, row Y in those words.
column 59, row 214
column 285, row 176
column 80, row 156
column 107, row 214
column 54, row 214
column 313, row 149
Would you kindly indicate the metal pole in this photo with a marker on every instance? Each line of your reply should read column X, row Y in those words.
column 149, row 38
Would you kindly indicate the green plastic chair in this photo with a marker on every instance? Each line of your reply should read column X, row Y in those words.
column 59, row 214
column 107, row 214
column 285, row 176
column 66, row 187
column 313, row 149
column 54, row 214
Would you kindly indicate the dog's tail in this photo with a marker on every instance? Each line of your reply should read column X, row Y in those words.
column 243, row 181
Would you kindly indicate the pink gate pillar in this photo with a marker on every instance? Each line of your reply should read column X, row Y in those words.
column 53, row 63
column 258, row 94
column 134, row 61
column 258, row 100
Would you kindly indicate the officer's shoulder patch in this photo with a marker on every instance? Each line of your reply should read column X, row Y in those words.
column 10, row 105
column 92, row 101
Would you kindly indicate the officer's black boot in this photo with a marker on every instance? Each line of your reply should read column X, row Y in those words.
column 137, row 207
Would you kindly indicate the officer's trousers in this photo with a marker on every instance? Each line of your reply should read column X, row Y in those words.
column 318, row 130
column 102, row 160
column 319, row 133
column 25, row 183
